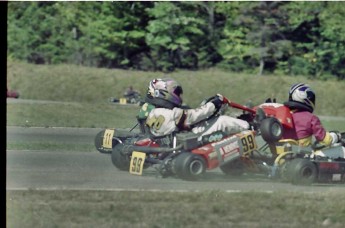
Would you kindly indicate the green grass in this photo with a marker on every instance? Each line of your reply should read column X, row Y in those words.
column 88, row 115
column 171, row 210
column 91, row 85
column 334, row 124
column 50, row 146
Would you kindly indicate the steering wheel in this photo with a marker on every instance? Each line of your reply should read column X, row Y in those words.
column 219, row 111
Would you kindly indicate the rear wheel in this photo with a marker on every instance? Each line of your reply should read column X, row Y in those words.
column 119, row 160
column 189, row 166
column 301, row 171
column 271, row 130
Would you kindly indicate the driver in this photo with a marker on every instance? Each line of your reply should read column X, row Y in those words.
column 130, row 92
column 168, row 116
column 306, row 124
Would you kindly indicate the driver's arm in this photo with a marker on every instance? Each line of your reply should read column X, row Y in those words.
column 190, row 117
column 193, row 116
column 322, row 136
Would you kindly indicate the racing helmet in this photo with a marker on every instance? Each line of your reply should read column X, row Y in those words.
column 164, row 93
column 303, row 94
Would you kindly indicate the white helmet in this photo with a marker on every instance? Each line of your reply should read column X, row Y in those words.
column 303, row 94
column 165, row 93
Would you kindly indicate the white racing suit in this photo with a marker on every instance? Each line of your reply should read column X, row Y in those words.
column 162, row 121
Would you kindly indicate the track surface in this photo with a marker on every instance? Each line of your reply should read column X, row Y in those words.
column 94, row 171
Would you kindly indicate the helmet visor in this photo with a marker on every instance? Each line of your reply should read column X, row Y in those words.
column 178, row 91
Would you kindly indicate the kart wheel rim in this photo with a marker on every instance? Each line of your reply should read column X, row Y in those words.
column 196, row 167
column 276, row 130
column 306, row 172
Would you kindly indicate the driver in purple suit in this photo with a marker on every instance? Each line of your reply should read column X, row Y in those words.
column 306, row 124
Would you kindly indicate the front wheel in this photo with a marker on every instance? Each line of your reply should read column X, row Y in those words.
column 119, row 160
column 301, row 171
column 99, row 143
column 189, row 166
column 111, row 137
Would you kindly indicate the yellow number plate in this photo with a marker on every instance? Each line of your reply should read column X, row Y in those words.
column 123, row 101
column 137, row 163
column 248, row 142
column 108, row 138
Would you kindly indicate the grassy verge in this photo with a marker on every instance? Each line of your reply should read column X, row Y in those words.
column 87, row 115
column 91, row 115
column 206, row 209
column 50, row 146
column 91, row 85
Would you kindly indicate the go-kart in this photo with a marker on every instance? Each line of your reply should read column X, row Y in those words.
column 133, row 98
column 315, row 164
column 187, row 155
column 303, row 165
column 260, row 150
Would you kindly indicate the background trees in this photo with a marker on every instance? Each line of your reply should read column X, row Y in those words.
column 291, row 38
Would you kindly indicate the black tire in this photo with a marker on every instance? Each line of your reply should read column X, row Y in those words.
column 271, row 130
column 233, row 168
column 120, row 135
column 99, row 143
column 119, row 160
column 189, row 166
column 301, row 171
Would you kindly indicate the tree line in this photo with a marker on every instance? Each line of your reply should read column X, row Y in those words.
column 261, row 37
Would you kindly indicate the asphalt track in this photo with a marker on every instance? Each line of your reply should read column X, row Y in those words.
column 72, row 170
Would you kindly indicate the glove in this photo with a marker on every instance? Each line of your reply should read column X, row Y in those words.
column 218, row 101
column 336, row 136
column 224, row 99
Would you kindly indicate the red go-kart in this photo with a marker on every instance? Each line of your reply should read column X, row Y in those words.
column 188, row 156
